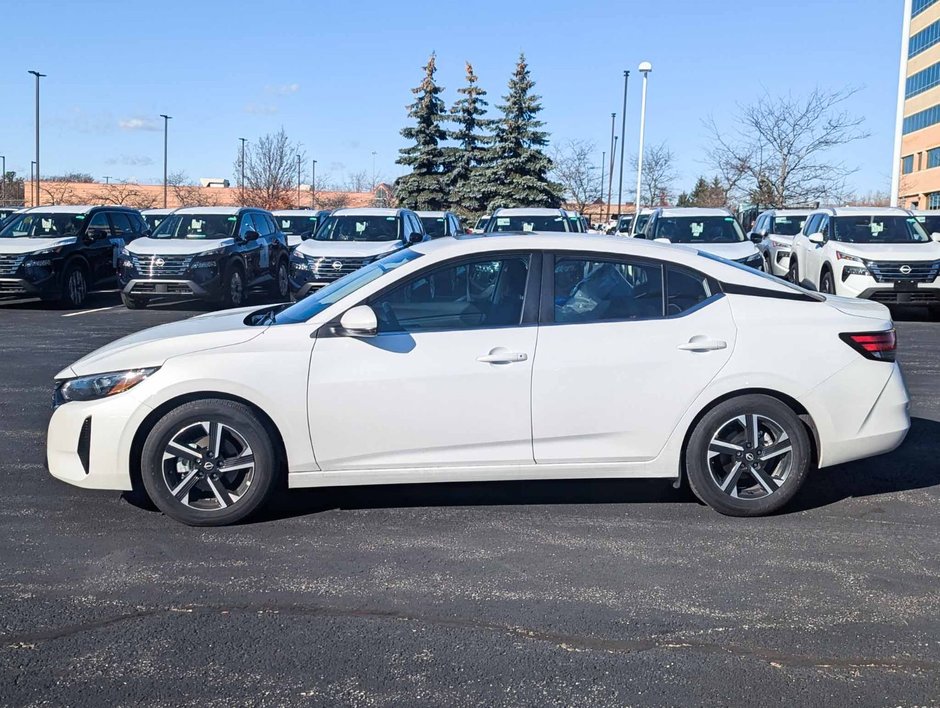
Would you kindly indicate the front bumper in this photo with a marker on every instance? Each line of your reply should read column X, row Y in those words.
column 22, row 287
column 301, row 289
column 165, row 287
column 779, row 262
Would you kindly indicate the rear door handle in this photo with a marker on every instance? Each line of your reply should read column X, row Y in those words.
column 703, row 344
column 502, row 356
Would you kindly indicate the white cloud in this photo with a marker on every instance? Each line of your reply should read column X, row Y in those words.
column 130, row 160
column 283, row 89
column 138, row 124
column 260, row 109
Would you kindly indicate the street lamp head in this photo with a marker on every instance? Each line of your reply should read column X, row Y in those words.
column 166, row 117
column 36, row 74
column 645, row 67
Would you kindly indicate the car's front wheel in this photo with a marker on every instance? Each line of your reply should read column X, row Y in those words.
column 74, row 286
column 133, row 302
column 748, row 456
column 793, row 272
column 281, row 285
column 827, row 283
column 209, row 463
column 233, row 287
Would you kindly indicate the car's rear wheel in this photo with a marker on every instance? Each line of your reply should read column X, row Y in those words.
column 281, row 285
column 209, row 463
column 133, row 302
column 748, row 456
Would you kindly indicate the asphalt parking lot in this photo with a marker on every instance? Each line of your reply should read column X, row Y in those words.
column 542, row 594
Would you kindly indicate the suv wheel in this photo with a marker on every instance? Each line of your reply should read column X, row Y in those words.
column 209, row 463
column 793, row 272
column 134, row 302
column 74, row 286
column 748, row 456
column 233, row 287
column 827, row 284
column 281, row 285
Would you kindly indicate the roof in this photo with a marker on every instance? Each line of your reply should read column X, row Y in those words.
column 157, row 212
column 864, row 211
column 789, row 212
column 367, row 211
column 529, row 211
column 63, row 209
column 693, row 212
column 228, row 211
column 432, row 214
column 296, row 212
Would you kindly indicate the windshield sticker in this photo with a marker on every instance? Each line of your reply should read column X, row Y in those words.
column 79, row 216
column 390, row 218
column 876, row 228
column 528, row 226
column 360, row 227
column 502, row 221
column 233, row 218
column 698, row 227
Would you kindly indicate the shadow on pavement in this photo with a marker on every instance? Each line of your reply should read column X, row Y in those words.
column 913, row 466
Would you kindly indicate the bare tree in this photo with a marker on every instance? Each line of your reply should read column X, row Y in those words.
column 778, row 153
column 873, row 198
column 187, row 193
column 332, row 200
column 358, row 182
column 659, row 174
column 55, row 193
column 126, row 194
column 271, row 171
column 574, row 170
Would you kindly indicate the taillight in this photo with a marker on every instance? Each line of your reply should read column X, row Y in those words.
column 880, row 346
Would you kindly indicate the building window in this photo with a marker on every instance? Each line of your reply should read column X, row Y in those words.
column 920, row 5
column 907, row 165
column 933, row 201
column 924, row 119
column 924, row 40
column 933, row 158
column 923, row 81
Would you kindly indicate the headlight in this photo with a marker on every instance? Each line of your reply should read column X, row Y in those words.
column 125, row 253
column 202, row 264
column 840, row 256
column 780, row 244
column 213, row 252
column 754, row 261
column 91, row 388
column 36, row 263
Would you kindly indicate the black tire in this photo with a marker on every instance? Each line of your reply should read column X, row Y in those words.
column 233, row 286
column 711, row 461
column 934, row 312
column 206, row 493
column 827, row 283
column 74, row 286
column 793, row 272
column 280, row 288
column 134, row 302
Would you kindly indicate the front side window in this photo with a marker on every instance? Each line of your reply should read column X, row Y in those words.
column 347, row 227
column 812, row 224
column 788, row 225
column 121, row 224
column 43, row 225
column 593, row 290
column 641, row 221
column 528, row 223
column 879, row 229
column 434, row 226
column 197, row 226
column 99, row 227
column 699, row 229
column 930, row 224
column 469, row 295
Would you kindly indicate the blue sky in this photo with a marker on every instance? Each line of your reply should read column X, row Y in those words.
column 337, row 76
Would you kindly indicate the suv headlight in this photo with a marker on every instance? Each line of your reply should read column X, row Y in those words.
column 840, row 256
column 780, row 243
column 755, row 261
column 91, row 388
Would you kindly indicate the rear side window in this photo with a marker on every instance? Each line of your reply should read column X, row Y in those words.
column 685, row 290
column 592, row 290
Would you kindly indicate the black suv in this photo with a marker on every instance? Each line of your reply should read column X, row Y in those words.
column 62, row 252
column 212, row 253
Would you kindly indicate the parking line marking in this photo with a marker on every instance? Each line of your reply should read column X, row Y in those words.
column 88, row 312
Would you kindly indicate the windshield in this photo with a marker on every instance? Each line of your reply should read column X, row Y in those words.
column 930, row 224
column 878, row 229
column 641, row 221
column 699, row 229
column 528, row 223
column 349, row 227
column 295, row 225
column 317, row 302
column 576, row 224
column 43, row 225
column 623, row 226
column 154, row 220
column 788, row 225
column 197, row 226
column 433, row 226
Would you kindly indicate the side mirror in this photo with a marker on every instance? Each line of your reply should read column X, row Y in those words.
column 758, row 236
column 415, row 237
column 359, row 321
column 935, row 236
column 661, row 240
column 817, row 238
column 306, row 235
column 252, row 235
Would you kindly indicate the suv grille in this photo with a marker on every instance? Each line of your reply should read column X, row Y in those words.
column 916, row 271
column 325, row 269
column 161, row 266
column 10, row 264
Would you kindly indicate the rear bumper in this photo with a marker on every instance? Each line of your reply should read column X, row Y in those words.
column 862, row 411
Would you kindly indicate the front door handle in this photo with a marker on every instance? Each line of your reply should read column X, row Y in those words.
column 703, row 344
column 500, row 355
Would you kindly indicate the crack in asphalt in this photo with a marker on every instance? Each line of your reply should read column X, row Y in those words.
column 576, row 643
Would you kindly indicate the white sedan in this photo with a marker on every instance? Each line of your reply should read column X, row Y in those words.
column 514, row 357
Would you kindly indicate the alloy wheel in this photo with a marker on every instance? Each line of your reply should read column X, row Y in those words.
column 236, row 288
column 77, row 289
column 283, row 283
column 749, row 457
column 208, row 466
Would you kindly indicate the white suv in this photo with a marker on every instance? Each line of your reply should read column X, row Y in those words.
column 881, row 254
column 713, row 231
column 773, row 233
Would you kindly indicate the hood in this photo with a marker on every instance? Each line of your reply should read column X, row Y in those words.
column 347, row 249
column 152, row 347
column 891, row 251
column 731, row 251
column 859, row 307
column 294, row 240
column 20, row 246
column 176, row 246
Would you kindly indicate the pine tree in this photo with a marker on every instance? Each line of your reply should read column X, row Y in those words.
column 462, row 161
column 423, row 188
column 517, row 166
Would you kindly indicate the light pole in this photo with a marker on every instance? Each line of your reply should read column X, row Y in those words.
column 313, row 184
column 3, row 180
column 241, row 184
column 603, row 172
column 298, row 181
column 610, row 172
column 645, row 68
column 32, row 183
column 38, row 76
column 623, row 138
column 166, row 123
column 610, row 187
